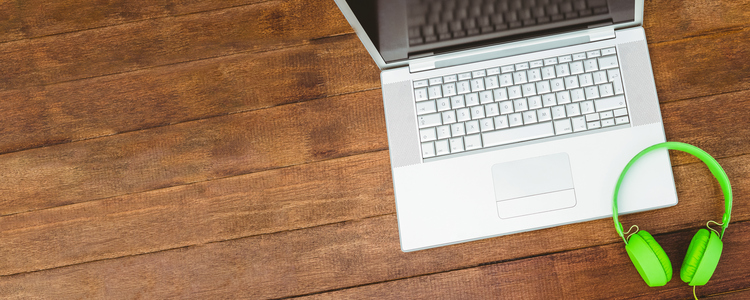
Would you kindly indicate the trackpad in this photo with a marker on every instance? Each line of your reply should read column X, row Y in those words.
column 533, row 185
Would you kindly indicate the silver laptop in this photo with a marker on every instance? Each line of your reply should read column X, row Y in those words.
column 506, row 116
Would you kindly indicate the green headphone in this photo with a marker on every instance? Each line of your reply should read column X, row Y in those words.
column 705, row 249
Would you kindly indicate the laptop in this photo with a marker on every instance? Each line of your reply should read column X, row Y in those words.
column 506, row 116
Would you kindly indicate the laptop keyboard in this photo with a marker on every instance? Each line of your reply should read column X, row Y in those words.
column 520, row 102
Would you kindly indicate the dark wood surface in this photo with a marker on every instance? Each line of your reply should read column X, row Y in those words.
column 237, row 149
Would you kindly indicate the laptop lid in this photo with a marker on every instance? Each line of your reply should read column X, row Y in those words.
column 397, row 32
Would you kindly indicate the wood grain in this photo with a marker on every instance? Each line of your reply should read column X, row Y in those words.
column 150, row 43
column 217, row 211
column 602, row 272
column 191, row 152
column 35, row 18
column 109, row 105
column 673, row 20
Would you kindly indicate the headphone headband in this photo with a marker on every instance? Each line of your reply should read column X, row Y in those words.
column 710, row 162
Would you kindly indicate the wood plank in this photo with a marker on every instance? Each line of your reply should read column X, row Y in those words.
column 602, row 272
column 701, row 66
column 738, row 294
column 302, row 261
column 190, row 152
column 673, row 20
column 109, row 105
column 145, row 44
column 35, row 18
column 103, row 106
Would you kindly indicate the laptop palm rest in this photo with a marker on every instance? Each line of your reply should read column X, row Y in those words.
column 533, row 185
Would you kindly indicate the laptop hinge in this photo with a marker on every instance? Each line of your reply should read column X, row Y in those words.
column 608, row 33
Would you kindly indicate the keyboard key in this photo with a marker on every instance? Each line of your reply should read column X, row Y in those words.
column 520, row 134
column 458, row 129
column 450, row 78
column 618, row 86
column 563, row 97
column 477, row 74
column 477, row 85
column 420, row 94
column 606, row 90
column 519, row 77
column 529, row 89
column 558, row 112
column 542, row 87
column 477, row 112
column 431, row 120
column 449, row 89
column 464, row 76
column 608, row 62
column 472, row 99
column 571, row 82
column 515, row 119
column 549, row 100
column 520, row 104
column 562, row 70
column 621, row 112
column 443, row 104
column 522, row 66
column 548, row 72
column 563, row 126
column 457, row 144
column 506, row 80
column 436, row 81
column 428, row 134
column 426, row 107
column 501, row 122
column 472, row 142
column 486, row 97
column 600, row 77
column 535, row 102
column 493, row 71
column 463, row 87
column 534, row 75
column 577, row 95
column 420, row 83
column 550, row 61
column 443, row 132
column 557, row 84
column 579, row 124
column 592, row 92
column 594, row 125
column 609, row 103
column 544, row 114
column 506, row 107
column 594, row 53
column 576, row 67
column 564, row 59
column 605, row 114
column 457, row 102
column 572, row 110
column 608, row 51
column 492, row 109
column 590, row 65
column 428, row 150
column 587, row 107
column 592, row 117
column 442, row 148
column 507, row 69
column 621, row 120
column 514, row 92
column 529, row 117
column 536, row 64
column 579, row 56
column 608, row 122
column 472, row 127
column 500, row 94
column 585, row 79
column 463, row 115
column 486, row 124
column 435, row 92
column 491, row 82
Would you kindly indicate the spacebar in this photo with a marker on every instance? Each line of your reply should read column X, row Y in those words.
column 519, row 134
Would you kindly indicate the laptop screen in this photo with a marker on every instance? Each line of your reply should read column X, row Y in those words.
column 402, row 29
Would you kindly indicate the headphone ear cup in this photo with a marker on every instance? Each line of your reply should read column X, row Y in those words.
column 702, row 258
column 649, row 259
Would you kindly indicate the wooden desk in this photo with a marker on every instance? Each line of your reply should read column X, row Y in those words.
column 237, row 149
